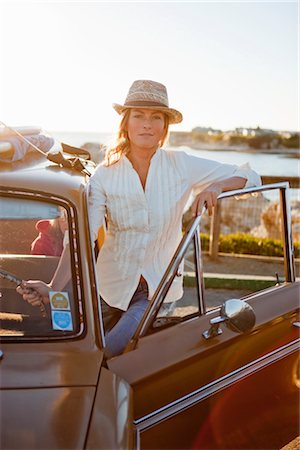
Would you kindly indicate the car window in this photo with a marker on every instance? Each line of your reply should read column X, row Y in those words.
column 187, row 303
column 242, row 250
column 246, row 253
column 33, row 235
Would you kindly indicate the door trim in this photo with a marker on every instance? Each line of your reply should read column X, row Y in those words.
column 212, row 388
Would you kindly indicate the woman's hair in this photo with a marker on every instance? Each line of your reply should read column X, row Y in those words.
column 59, row 225
column 122, row 147
column 55, row 229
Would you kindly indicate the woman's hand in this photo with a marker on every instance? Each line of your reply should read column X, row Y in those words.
column 34, row 292
column 207, row 198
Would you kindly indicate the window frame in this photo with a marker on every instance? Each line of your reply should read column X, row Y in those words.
column 193, row 232
column 75, row 255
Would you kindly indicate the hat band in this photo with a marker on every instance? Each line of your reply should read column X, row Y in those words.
column 145, row 103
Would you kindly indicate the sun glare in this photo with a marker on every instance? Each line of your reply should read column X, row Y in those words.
column 66, row 63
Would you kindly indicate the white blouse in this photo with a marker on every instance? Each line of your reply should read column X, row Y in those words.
column 145, row 227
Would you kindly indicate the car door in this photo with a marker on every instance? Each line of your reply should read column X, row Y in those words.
column 232, row 389
column 49, row 359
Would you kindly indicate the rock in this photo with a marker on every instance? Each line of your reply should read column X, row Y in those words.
column 293, row 445
column 237, row 215
column 270, row 223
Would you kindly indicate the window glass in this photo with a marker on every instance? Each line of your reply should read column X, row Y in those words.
column 180, row 304
column 242, row 253
column 33, row 237
column 246, row 247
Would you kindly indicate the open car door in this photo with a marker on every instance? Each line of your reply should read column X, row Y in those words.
column 197, row 383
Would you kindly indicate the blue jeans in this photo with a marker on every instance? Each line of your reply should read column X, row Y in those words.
column 119, row 336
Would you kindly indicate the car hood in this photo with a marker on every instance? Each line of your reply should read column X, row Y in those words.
column 55, row 418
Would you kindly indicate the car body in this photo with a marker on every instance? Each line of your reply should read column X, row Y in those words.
column 172, row 388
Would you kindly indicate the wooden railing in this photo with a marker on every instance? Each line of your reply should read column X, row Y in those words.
column 294, row 181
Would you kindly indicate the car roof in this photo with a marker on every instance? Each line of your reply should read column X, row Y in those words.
column 36, row 173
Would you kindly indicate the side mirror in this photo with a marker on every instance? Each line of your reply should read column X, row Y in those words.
column 238, row 316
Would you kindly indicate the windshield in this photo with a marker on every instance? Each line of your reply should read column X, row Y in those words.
column 33, row 237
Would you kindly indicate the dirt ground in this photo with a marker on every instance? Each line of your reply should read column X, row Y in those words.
column 230, row 264
column 294, row 445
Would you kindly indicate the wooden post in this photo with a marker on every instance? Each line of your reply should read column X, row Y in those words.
column 215, row 231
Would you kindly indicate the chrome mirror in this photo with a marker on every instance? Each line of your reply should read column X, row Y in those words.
column 237, row 315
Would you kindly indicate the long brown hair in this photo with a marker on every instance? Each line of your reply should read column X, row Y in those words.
column 122, row 146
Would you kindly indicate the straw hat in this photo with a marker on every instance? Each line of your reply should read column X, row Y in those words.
column 147, row 94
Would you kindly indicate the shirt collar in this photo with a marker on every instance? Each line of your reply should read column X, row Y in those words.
column 155, row 157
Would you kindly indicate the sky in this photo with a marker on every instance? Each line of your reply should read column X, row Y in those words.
column 225, row 64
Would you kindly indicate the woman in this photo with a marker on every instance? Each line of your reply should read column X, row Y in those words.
column 142, row 190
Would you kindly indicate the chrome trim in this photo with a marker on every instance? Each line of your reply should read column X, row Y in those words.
column 223, row 382
column 94, row 267
column 285, row 209
column 137, row 440
column 252, row 190
column 171, row 270
column 199, row 271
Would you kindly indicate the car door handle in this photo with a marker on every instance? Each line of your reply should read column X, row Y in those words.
column 296, row 324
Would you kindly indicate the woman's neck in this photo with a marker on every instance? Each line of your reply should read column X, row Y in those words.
column 140, row 156
column 140, row 160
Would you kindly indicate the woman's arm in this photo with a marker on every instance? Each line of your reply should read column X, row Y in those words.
column 62, row 274
column 35, row 291
column 96, row 203
column 209, row 178
column 208, row 197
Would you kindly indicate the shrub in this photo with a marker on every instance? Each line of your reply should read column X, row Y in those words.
column 297, row 249
column 204, row 241
column 242, row 243
column 292, row 142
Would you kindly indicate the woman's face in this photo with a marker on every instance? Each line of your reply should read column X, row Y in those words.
column 145, row 127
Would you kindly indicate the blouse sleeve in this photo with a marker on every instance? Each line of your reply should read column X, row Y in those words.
column 202, row 172
column 97, row 204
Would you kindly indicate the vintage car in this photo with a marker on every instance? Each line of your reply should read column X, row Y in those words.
column 219, row 371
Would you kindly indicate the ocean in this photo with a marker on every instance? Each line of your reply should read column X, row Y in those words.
column 264, row 164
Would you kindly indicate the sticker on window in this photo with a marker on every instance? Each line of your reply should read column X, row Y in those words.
column 59, row 300
column 62, row 320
